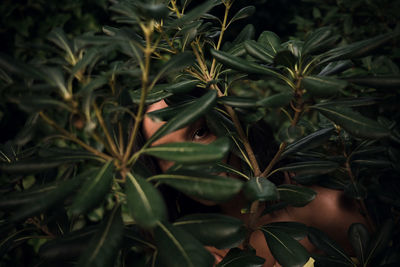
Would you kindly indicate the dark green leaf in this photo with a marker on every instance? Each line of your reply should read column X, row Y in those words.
column 241, row 258
column 327, row 245
column 319, row 38
column 189, row 152
column 240, row 64
column 357, row 49
column 178, row 248
column 297, row 196
column 276, row 101
column 243, row 13
column 216, row 230
column 169, row 112
column 87, row 59
column 47, row 197
column 176, row 63
column 311, row 167
column 270, row 41
column 247, row 33
column 35, row 104
column 94, row 189
column 69, row 246
column 57, row 36
column 104, row 246
column 259, row 188
column 379, row 82
column 188, row 115
column 296, row 230
column 286, row 250
column 359, row 240
column 380, row 242
column 285, row 58
column 238, row 102
column 208, row 187
column 355, row 123
column 195, row 13
column 145, row 202
column 322, row 86
column 258, row 51
column 336, row 67
column 327, row 261
column 308, row 142
column 152, row 10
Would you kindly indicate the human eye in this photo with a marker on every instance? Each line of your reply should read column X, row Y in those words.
column 200, row 133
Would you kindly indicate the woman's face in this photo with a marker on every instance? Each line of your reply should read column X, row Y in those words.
column 196, row 132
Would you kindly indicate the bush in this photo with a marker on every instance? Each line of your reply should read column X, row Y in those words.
column 76, row 191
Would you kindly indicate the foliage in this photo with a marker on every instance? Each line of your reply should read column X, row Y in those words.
column 74, row 186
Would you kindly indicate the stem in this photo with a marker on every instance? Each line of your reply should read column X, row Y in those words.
column 73, row 138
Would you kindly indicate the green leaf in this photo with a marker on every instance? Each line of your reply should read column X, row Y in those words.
column 319, row 38
column 178, row 248
column 247, row 33
column 169, row 112
column 311, row 167
column 359, row 240
column 336, row 67
column 357, row 49
column 286, row 250
column 241, row 258
column 189, row 152
column 276, row 101
column 195, row 13
column 57, row 36
column 270, row 41
column 259, row 188
column 379, row 82
column 297, row 196
column 354, row 123
column 208, row 187
column 190, row 114
column 380, row 241
column 38, row 103
column 243, row 13
column 68, row 247
column 20, row 68
column 94, row 189
column 216, row 230
column 104, row 246
column 238, row 101
column 87, row 59
column 240, row 64
column 145, row 202
column 257, row 51
column 296, row 230
column 327, row 261
column 308, row 142
column 321, row 86
column 327, row 245
column 285, row 58
column 46, row 198
column 152, row 10
column 176, row 63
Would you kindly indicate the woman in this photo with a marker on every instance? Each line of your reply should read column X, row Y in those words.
column 330, row 211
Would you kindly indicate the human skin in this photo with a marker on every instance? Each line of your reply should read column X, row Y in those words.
column 330, row 211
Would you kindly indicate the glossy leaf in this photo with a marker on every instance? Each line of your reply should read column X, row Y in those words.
column 68, row 247
column 380, row 241
column 209, row 187
column 327, row 245
column 297, row 196
column 335, row 67
column 176, row 63
column 152, row 10
column 238, row 102
column 178, row 248
column 296, row 230
column 31, row 166
column 58, row 37
column 308, row 142
column 247, row 33
column 241, row 258
column 94, row 189
column 189, row 152
column 379, row 82
column 104, row 246
column 88, row 58
column 316, row 40
column 359, row 240
column 169, row 112
column 195, row 13
column 188, row 115
column 213, row 229
column 321, row 86
column 311, row 167
column 243, row 13
column 240, row 64
column 286, row 250
column 276, row 101
column 35, row 104
column 257, row 51
column 285, row 58
column 270, row 41
column 145, row 202
column 260, row 188
column 48, row 198
column 353, row 122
